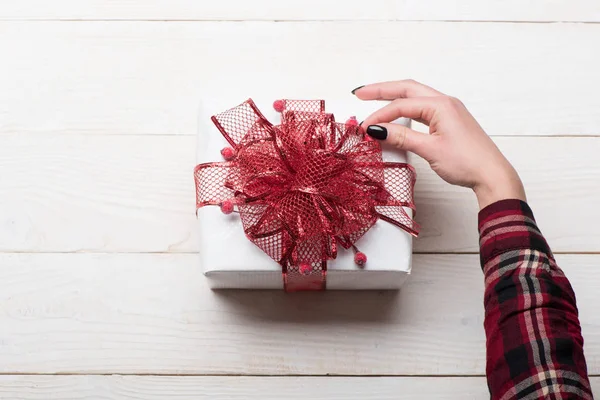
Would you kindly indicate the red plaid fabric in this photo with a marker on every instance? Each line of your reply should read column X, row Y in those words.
column 534, row 342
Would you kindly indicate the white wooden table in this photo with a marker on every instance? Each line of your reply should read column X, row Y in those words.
column 101, row 296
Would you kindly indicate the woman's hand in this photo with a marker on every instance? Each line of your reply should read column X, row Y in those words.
column 457, row 148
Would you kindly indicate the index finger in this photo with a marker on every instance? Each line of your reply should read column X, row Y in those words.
column 395, row 90
column 418, row 108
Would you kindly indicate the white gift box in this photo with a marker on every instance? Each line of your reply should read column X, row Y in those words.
column 232, row 261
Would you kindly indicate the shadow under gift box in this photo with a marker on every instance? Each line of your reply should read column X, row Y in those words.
column 231, row 261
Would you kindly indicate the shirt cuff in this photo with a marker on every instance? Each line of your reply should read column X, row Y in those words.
column 508, row 225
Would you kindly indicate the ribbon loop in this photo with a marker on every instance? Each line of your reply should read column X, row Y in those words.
column 213, row 184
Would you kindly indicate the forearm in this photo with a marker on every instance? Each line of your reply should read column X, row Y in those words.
column 534, row 342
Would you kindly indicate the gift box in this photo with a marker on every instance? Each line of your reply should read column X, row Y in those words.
column 230, row 260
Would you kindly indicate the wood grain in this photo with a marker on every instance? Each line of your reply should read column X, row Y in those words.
column 77, row 193
column 18, row 387
column 153, row 314
column 296, row 10
column 131, row 77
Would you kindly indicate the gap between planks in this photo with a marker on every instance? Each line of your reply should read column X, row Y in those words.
column 251, row 375
column 93, row 134
column 244, row 375
column 440, row 253
column 446, row 21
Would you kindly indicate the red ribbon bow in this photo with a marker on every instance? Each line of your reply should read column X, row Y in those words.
column 304, row 186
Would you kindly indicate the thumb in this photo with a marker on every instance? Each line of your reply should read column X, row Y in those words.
column 401, row 137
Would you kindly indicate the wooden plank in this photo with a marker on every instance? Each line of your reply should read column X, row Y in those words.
column 28, row 387
column 153, row 314
column 97, row 193
column 557, row 174
column 224, row 388
column 149, row 77
column 296, row 10
column 62, row 193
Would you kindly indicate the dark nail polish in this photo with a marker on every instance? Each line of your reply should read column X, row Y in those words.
column 354, row 90
column 377, row 132
column 361, row 122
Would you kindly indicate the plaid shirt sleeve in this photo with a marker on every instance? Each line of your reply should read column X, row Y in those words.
column 534, row 342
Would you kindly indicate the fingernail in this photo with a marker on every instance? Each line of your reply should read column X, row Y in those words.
column 377, row 132
column 354, row 90
column 361, row 122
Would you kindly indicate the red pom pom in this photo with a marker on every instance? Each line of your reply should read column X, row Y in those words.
column 227, row 207
column 360, row 258
column 352, row 121
column 228, row 153
column 279, row 105
column 305, row 268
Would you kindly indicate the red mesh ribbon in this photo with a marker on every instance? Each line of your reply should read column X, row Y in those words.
column 304, row 186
